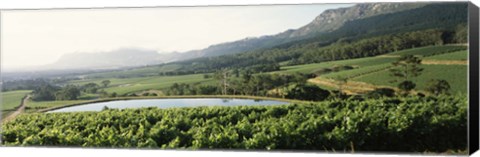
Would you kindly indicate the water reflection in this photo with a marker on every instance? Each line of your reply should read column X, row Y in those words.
column 168, row 103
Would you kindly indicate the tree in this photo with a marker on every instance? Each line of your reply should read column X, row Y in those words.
column 307, row 92
column 103, row 94
column 381, row 92
column 44, row 92
column 404, row 70
column 407, row 85
column 222, row 76
column 90, row 88
column 438, row 87
column 69, row 92
column 106, row 83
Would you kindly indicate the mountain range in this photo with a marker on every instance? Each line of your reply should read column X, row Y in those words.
column 333, row 24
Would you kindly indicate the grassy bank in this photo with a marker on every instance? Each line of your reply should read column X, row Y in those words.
column 11, row 100
column 53, row 105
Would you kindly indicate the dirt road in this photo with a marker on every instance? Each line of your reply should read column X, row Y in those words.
column 445, row 62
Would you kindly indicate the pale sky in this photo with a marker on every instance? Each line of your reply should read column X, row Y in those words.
column 39, row 37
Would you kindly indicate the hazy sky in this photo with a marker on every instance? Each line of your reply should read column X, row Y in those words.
column 39, row 37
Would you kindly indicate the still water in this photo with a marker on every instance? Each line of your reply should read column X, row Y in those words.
column 168, row 103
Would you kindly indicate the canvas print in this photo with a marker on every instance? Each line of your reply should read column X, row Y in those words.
column 343, row 78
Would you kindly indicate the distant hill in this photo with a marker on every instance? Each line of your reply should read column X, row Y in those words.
column 351, row 23
column 429, row 24
column 328, row 21
column 128, row 57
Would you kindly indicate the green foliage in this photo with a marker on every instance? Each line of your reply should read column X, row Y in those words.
column 113, row 94
column 246, row 84
column 130, row 85
column 44, row 92
column 381, row 92
column 69, row 92
column 406, row 85
column 457, row 55
column 456, row 75
column 429, row 50
column 106, row 83
column 307, row 92
column 182, row 89
column 461, row 33
column 433, row 124
column 11, row 100
column 371, row 46
column 90, row 88
column 437, row 87
column 103, row 94
column 404, row 69
column 29, row 84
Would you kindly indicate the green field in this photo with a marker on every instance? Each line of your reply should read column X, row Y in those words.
column 11, row 100
column 121, row 86
column 369, row 69
column 33, row 106
column 429, row 50
column 363, row 66
column 373, row 69
column 360, row 62
column 128, row 85
column 458, row 55
column 456, row 75
column 357, row 72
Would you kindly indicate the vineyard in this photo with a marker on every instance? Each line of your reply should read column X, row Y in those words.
column 401, row 124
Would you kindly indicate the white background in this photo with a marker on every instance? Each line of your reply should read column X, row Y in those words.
column 83, row 152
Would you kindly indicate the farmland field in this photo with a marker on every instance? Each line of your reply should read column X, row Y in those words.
column 360, row 62
column 356, row 72
column 33, row 106
column 128, row 85
column 429, row 50
column 456, row 75
column 458, row 55
column 374, row 70
column 11, row 100
column 368, row 69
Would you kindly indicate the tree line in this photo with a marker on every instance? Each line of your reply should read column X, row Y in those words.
column 50, row 92
column 314, row 51
column 249, row 83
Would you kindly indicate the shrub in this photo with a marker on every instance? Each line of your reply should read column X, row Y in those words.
column 307, row 92
column 381, row 92
column 437, row 87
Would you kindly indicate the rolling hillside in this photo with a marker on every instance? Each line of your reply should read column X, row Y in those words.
column 373, row 72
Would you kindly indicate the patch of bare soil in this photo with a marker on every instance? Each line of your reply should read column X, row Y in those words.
column 389, row 56
column 350, row 87
column 445, row 62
